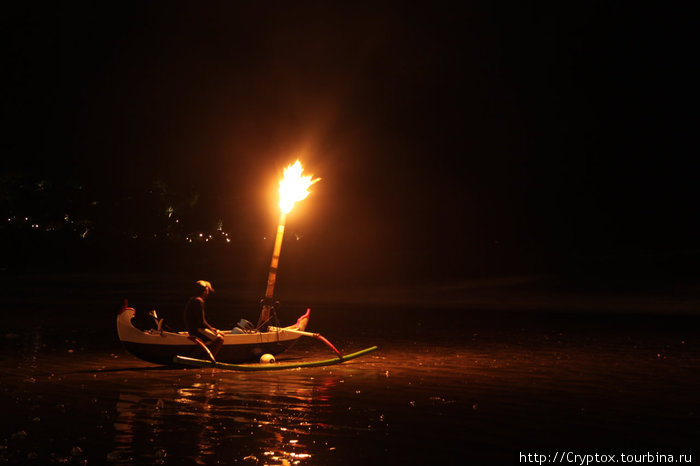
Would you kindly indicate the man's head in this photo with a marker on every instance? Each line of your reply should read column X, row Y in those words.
column 203, row 288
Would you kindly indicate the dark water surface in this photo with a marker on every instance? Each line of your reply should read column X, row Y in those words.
column 447, row 386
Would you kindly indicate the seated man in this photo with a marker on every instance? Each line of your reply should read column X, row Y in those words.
column 196, row 322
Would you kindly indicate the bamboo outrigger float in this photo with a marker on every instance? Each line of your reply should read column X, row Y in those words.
column 271, row 367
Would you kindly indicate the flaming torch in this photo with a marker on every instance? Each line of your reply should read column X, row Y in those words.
column 293, row 188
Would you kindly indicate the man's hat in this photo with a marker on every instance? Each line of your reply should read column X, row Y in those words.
column 205, row 285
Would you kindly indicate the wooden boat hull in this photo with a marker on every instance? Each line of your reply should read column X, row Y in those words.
column 164, row 354
column 161, row 347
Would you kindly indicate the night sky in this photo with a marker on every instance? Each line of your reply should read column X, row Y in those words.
column 491, row 139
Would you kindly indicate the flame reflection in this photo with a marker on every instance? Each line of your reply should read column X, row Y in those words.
column 226, row 419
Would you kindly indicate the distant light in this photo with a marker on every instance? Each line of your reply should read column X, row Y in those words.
column 200, row 235
column 228, row 240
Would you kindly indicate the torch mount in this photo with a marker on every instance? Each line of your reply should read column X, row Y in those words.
column 272, row 302
column 268, row 313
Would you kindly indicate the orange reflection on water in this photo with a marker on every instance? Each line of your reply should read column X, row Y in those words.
column 216, row 415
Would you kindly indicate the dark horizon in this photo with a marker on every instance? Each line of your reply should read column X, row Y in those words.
column 486, row 141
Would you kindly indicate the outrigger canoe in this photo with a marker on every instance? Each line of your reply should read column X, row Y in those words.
column 161, row 347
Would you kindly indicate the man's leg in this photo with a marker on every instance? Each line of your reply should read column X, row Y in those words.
column 214, row 341
column 217, row 344
column 203, row 346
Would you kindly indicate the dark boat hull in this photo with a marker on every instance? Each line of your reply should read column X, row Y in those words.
column 164, row 354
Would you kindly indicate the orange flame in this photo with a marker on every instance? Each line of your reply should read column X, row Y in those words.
column 294, row 187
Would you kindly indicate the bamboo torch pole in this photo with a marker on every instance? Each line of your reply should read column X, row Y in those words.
column 268, row 301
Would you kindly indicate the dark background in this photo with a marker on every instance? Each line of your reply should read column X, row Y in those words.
column 490, row 140
column 508, row 208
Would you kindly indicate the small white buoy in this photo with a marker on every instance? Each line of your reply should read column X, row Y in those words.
column 267, row 359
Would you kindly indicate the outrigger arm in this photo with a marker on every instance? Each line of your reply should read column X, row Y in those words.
column 318, row 336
